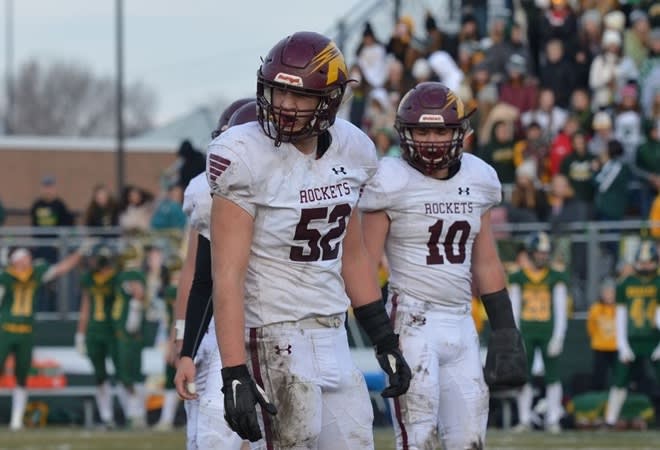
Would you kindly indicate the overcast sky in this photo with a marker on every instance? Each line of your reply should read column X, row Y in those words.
column 188, row 51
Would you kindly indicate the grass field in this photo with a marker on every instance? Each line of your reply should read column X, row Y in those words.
column 77, row 439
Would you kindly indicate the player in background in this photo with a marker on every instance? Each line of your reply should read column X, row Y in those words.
column 637, row 325
column 170, row 280
column 429, row 212
column 19, row 283
column 288, row 255
column 540, row 295
column 128, row 322
column 199, row 355
column 95, row 334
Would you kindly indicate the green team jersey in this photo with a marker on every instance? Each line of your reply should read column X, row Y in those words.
column 18, row 298
column 536, row 288
column 101, row 291
column 123, row 297
column 169, row 295
column 640, row 296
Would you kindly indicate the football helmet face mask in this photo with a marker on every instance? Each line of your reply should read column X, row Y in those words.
column 646, row 259
column 306, row 64
column 539, row 247
column 223, row 120
column 432, row 105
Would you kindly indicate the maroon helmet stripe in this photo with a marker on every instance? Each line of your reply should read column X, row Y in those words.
column 397, row 404
column 256, row 372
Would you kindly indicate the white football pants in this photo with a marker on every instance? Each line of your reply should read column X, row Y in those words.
column 447, row 402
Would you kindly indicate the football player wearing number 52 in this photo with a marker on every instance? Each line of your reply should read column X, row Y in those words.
column 430, row 213
column 289, row 259
column 540, row 294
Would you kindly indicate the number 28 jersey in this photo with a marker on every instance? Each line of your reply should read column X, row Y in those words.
column 433, row 224
column 301, row 206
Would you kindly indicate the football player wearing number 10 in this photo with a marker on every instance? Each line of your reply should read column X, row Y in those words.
column 288, row 254
column 429, row 212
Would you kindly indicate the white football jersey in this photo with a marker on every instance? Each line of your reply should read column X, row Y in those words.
column 197, row 205
column 301, row 206
column 433, row 224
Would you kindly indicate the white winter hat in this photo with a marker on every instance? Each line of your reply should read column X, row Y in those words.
column 611, row 37
column 615, row 20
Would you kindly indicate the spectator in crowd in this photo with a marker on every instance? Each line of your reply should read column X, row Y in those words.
column 517, row 89
column 602, row 126
column 558, row 73
column 578, row 168
column 609, row 71
column 528, row 202
column 497, row 47
column 635, row 38
column 535, row 148
column 372, row 58
column 562, row 145
column 548, row 115
column 401, row 39
column 588, row 46
column 581, row 108
column 601, row 328
column 102, row 210
column 135, row 210
column 49, row 210
column 498, row 152
column 649, row 73
column 168, row 214
column 191, row 163
column 628, row 122
column 612, row 180
column 379, row 112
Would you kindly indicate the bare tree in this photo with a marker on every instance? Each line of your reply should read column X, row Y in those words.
column 67, row 99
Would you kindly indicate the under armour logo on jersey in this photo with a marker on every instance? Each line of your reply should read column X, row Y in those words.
column 465, row 191
column 286, row 349
column 338, row 170
column 217, row 165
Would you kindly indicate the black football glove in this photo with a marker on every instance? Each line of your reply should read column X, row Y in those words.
column 373, row 318
column 396, row 368
column 241, row 395
column 506, row 361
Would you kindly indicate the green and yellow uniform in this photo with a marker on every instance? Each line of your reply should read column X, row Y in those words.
column 640, row 297
column 100, row 340
column 537, row 314
column 129, row 345
column 17, row 304
column 169, row 295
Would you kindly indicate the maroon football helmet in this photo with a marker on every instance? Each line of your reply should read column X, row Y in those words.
column 309, row 64
column 223, row 120
column 244, row 114
column 431, row 105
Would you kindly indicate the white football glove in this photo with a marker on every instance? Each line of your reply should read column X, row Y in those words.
column 80, row 344
column 655, row 356
column 555, row 346
column 626, row 354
